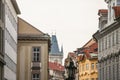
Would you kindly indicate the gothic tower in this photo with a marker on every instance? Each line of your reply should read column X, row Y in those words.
column 55, row 54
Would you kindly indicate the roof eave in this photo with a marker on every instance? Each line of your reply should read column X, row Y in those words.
column 15, row 5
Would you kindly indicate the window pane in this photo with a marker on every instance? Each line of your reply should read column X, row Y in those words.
column 92, row 66
column 34, row 49
column 1, row 40
column 35, row 76
column 0, row 8
column 37, row 49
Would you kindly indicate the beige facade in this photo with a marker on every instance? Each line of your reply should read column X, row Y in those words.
column 33, row 49
column 88, row 69
column 88, row 61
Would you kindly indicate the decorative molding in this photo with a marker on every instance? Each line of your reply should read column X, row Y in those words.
column 33, row 37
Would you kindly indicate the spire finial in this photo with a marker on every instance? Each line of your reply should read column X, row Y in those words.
column 54, row 32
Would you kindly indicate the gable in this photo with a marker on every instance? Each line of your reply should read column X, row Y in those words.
column 26, row 28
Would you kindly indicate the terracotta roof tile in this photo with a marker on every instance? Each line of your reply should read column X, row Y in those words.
column 91, row 49
column 56, row 66
column 102, row 11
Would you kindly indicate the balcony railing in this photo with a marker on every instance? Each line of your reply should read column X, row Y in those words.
column 36, row 65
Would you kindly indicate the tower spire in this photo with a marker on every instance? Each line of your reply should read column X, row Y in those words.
column 62, row 49
column 54, row 46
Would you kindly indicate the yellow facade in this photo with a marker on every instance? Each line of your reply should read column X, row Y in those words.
column 29, row 37
column 88, row 69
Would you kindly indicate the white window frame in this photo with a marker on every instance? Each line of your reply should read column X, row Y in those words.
column 35, row 76
column 36, row 54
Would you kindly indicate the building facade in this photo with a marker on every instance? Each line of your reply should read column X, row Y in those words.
column 2, row 27
column 55, row 54
column 55, row 60
column 8, row 39
column 56, row 71
column 87, row 61
column 33, row 49
column 108, row 37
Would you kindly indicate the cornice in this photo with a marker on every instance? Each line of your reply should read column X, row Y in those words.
column 33, row 37
column 107, row 30
column 112, row 55
column 16, row 6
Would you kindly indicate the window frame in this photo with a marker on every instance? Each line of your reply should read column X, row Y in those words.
column 36, row 55
column 87, row 66
column 92, row 66
column 35, row 76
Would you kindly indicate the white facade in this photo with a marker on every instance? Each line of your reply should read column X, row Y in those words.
column 109, row 44
column 10, row 40
column 111, row 15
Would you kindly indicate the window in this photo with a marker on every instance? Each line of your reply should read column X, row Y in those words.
column 102, row 73
column 1, row 71
column 113, row 72
column 116, row 37
column 99, row 74
column 109, row 72
column 1, row 40
column 99, row 45
column 117, row 71
column 92, row 78
column 87, row 79
column 113, row 39
column 109, row 41
column 109, row 13
column 102, row 44
column 36, row 54
column 36, row 76
column 87, row 66
column 2, row 11
column 92, row 66
column 106, row 43
column 82, row 67
column 96, row 65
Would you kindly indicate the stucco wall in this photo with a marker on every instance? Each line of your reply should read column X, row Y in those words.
column 25, row 59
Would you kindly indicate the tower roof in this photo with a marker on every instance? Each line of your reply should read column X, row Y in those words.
column 54, row 45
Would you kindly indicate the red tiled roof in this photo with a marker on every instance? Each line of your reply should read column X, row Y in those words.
column 102, row 11
column 92, row 48
column 56, row 66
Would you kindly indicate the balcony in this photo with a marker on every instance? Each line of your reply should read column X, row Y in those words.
column 36, row 65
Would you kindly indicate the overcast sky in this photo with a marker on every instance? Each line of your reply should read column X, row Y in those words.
column 74, row 21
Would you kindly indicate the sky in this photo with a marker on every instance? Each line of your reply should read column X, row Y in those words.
column 73, row 21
